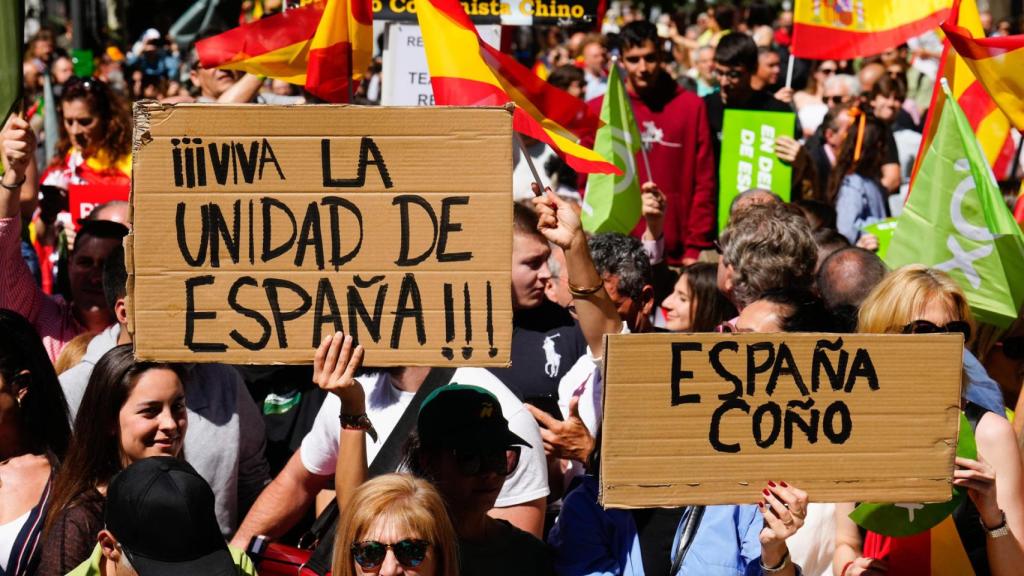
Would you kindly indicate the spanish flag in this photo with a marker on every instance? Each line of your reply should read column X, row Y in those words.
column 320, row 45
column 996, row 62
column 466, row 71
column 847, row 29
column 990, row 125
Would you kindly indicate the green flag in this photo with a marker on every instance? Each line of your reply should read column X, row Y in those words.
column 12, row 30
column 956, row 221
column 612, row 203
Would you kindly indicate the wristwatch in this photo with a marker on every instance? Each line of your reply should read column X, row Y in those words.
column 357, row 422
column 999, row 531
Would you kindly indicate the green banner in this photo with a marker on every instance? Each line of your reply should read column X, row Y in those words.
column 612, row 203
column 12, row 30
column 956, row 221
column 748, row 156
column 884, row 231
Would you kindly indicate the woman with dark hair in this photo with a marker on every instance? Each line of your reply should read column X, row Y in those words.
column 855, row 185
column 131, row 410
column 696, row 304
column 34, row 435
column 95, row 141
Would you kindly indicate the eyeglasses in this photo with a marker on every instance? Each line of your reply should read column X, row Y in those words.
column 827, row 71
column 650, row 58
column 926, row 327
column 501, row 462
column 370, row 554
column 83, row 84
column 836, row 100
column 1013, row 348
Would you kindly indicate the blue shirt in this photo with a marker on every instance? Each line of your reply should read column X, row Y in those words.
column 860, row 202
column 981, row 388
column 589, row 540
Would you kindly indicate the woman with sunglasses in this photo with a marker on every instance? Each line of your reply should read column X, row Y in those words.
column 990, row 523
column 395, row 524
column 810, row 103
column 855, row 186
column 462, row 445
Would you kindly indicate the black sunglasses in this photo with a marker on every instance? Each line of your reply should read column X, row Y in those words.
column 370, row 554
column 730, row 74
column 501, row 462
column 926, row 327
column 649, row 58
column 835, row 100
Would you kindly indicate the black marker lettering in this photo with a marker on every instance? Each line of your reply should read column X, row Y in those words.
column 200, row 162
column 366, row 147
column 191, row 315
column 179, row 222
column 449, row 321
column 310, row 236
column 268, row 253
column 179, row 179
column 403, row 202
column 325, row 294
column 716, row 362
column 821, row 362
column 250, row 313
column 794, row 419
column 272, row 285
column 356, row 308
column 467, row 350
column 776, row 424
column 219, row 230
column 491, row 351
column 220, row 158
column 334, row 202
column 247, row 162
column 714, row 432
column 409, row 291
column 267, row 155
column 845, row 423
column 446, row 227
column 785, row 365
column 862, row 367
column 678, row 374
column 753, row 368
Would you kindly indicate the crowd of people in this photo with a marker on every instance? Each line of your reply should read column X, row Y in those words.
column 112, row 465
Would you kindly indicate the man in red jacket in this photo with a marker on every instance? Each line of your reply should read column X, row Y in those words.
column 674, row 129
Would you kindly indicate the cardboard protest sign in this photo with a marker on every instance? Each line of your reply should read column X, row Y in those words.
column 405, row 76
column 710, row 418
column 748, row 156
column 259, row 230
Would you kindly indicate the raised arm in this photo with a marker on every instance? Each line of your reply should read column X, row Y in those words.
column 596, row 312
column 334, row 368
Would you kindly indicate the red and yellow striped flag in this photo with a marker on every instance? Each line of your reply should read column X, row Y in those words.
column 847, row 29
column 341, row 49
column 466, row 71
column 995, row 62
column 319, row 45
column 990, row 125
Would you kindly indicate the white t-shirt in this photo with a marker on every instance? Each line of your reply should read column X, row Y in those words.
column 385, row 405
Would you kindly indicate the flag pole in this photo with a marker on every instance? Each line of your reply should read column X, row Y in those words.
column 789, row 72
column 529, row 162
column 632, row 112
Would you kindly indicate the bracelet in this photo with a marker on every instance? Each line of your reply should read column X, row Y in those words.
column 357, row 422
column 997, row 532
column 775, row 569
column 846, row 567
column 13, row 187
column 577, row 291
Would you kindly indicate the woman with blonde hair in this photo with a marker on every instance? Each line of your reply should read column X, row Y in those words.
column 395, row 524
column 990, row 523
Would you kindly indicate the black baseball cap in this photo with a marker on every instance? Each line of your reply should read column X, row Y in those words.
column 162, row 513
column 464, row 417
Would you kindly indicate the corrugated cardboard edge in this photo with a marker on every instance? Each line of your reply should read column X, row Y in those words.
column 604, row 399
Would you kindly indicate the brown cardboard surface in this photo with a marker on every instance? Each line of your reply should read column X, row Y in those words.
column 347, row 192
column 657, row 447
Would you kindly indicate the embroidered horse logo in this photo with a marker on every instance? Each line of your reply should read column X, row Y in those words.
column 553, row 360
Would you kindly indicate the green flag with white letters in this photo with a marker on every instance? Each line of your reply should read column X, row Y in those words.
column 612, row 203
column 956, row 221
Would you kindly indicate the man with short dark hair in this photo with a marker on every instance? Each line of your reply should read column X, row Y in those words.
column 736, row 62
column 673, row 128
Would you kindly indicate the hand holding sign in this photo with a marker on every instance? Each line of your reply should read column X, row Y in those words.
column 334, row 368
column 787, row 149
column 784, row 508
column 569, row 440
column 980, row 481
column 864, row 566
